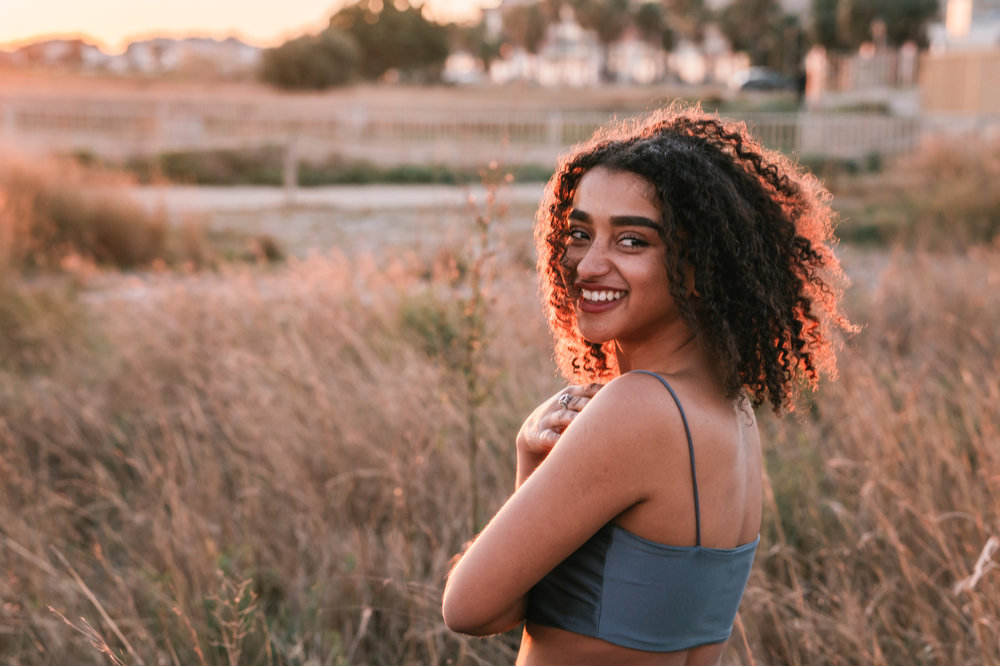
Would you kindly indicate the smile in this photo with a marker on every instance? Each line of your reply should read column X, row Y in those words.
column 596, row 296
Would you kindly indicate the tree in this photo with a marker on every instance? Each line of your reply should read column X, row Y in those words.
column 524, row 26
column 845, row 24
column 650, row 22
column 686, row 19
column 473, row 39
column 608, row 18
column 312, row 61
column 391, row 37
column 762, row 29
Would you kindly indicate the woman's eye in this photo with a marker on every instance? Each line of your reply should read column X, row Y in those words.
column 578, row 235
column 632, row 242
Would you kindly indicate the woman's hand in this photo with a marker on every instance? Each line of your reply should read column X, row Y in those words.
column 601, row 467
column 543, row 427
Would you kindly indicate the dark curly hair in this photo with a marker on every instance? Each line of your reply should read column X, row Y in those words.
column 757, row 231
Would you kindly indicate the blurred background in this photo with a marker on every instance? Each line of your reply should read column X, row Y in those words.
column 269, row 321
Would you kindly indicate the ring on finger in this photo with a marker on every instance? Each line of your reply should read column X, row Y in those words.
column 564, row 400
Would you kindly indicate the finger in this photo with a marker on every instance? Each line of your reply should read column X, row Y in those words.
column 573, row 403
column 561, row 419
column 583, row 390
column 545, row 441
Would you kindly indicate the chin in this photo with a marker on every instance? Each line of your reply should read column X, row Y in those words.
column 592, row 336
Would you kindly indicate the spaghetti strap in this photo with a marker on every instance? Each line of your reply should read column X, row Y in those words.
column 687, row 429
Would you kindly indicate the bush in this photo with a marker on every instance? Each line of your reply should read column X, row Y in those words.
column 38, row 327
column 956, row 199
column 942, row 197
column 391, row 38
column 312, row 62
column 263, row 166
column 257, row 166
column 52, row 211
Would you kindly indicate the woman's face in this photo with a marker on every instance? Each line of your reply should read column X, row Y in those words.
column 614, row 259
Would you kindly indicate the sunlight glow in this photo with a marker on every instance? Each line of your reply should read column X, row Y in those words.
column 114, row 23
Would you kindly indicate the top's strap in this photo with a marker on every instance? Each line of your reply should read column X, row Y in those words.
column 687, row 429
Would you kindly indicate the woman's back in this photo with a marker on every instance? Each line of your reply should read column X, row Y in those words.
column 679, row 246
column 651, row 580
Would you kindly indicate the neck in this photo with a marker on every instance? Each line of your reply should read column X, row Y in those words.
column 674, row 351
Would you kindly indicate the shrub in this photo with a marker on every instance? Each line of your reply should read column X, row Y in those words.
column 312, row 62
column 942, row 197
column 53, row 210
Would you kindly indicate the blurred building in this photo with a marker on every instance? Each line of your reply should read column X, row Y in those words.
column 64, row 53
column 569, row 55
column 634, row 60
column 798, row 7
column 968, row 25
column 227, row 57
column 961, row 72
column 461, row 67
column 194, row 55
column 573, row 56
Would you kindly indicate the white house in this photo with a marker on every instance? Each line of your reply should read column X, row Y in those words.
column 968, row 25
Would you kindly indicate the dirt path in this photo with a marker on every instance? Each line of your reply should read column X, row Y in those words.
column 178, row 200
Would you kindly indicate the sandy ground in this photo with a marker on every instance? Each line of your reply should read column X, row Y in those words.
column 352, row 218
column 187, row 199
column 17, row 82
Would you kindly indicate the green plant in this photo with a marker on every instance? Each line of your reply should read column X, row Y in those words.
column 312, row 62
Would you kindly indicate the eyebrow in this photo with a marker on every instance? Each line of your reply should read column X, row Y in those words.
column 618, row 220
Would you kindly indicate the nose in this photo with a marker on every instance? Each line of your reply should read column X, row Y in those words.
column 595, row 261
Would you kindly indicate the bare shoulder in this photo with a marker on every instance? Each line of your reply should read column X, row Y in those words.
column 637, row 412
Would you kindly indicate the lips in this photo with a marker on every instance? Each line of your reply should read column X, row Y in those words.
column 596, row 298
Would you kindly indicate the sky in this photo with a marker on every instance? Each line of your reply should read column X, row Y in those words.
column 113, row 23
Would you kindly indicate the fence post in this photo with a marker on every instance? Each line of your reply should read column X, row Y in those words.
column 291, row 168
column 9, row 121
column 162, row 132
column 816, row 75
column 555, row 128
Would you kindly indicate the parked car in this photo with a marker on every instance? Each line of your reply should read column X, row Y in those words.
column 761, row 78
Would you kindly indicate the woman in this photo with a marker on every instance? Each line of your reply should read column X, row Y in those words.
column 690, row 269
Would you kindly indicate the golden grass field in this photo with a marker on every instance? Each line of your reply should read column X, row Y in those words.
column 228, row 461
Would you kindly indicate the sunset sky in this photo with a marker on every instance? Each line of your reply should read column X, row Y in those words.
column 113, row 23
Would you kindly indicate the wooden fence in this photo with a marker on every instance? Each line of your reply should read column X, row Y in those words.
column 120, row 128
column 962, row 82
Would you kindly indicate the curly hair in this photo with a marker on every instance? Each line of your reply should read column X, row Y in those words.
column 758, row 233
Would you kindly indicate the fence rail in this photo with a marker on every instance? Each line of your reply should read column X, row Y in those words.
column 123, row 128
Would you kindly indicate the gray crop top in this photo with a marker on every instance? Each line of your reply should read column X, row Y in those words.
column 639, row 594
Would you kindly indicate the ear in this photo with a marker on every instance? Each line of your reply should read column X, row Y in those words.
column 689, row 280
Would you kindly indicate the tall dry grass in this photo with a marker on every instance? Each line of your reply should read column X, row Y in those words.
column 50, row 210
column 295, row 430
column 943, row 196
column 883, row 494
column 276, row 465
column 272, row 467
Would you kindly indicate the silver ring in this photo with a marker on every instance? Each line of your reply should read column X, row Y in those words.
column 564, row 400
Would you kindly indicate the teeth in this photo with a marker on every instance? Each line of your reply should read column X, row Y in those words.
column 604, row 295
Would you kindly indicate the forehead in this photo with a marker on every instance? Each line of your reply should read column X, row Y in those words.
column 606, row 193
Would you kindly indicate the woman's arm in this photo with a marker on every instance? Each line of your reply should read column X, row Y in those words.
column 600, row 466
column 543, row 427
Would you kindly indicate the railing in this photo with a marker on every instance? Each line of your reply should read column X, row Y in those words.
column 890, row 69
column 119, row 128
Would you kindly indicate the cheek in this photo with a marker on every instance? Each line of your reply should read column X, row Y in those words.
column 571, row 257
column 655, row 279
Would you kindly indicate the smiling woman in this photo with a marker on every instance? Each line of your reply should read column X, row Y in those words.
column 690, row 269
